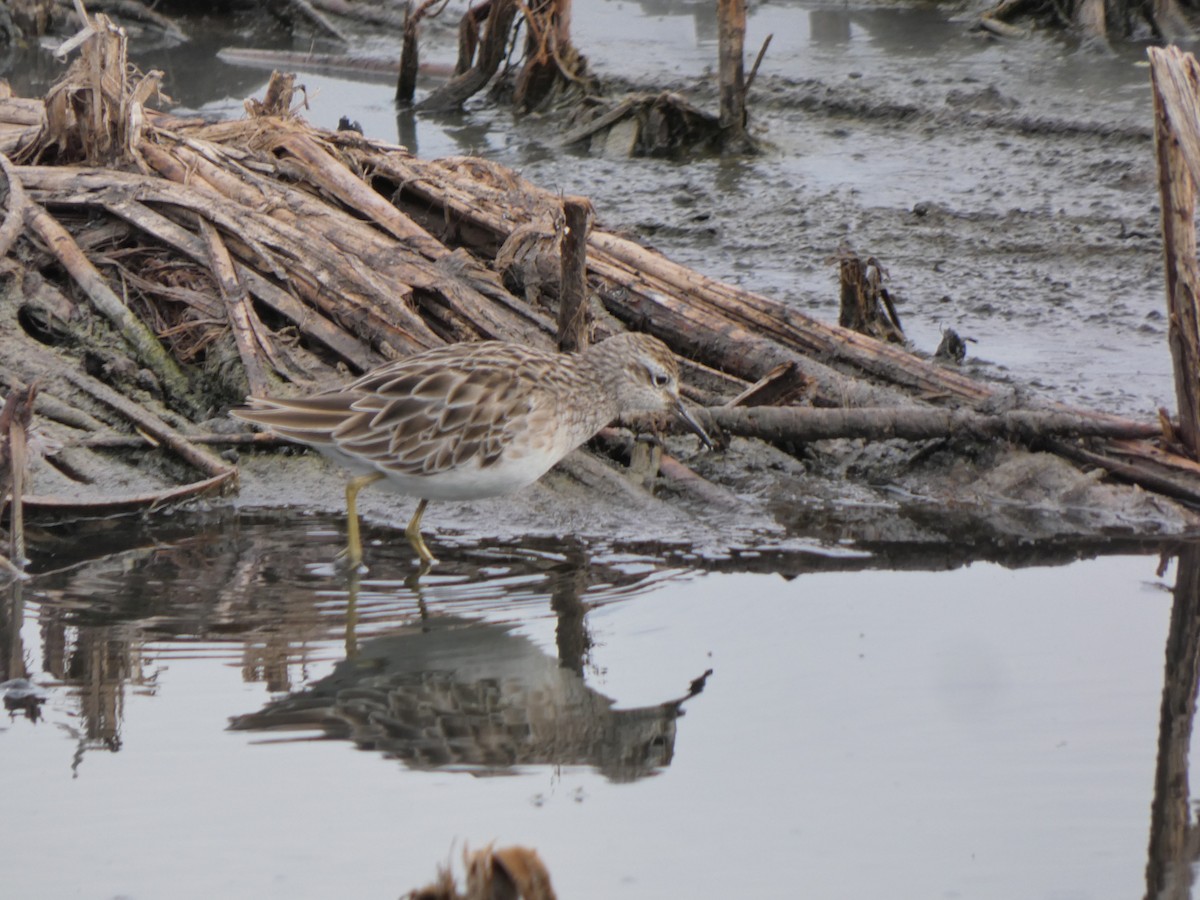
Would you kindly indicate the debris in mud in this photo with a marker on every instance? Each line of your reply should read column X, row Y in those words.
column 25, row 20
column 952, row 347
column 550, row 75
column 550, row 70
column 1099, row 20
column 663, row 124
column 866, row 305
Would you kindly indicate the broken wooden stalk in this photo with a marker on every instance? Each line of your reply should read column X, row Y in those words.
column 731, row 24
column 487, row 52
column 1174, row 76
column 572, row 297
column 15, row 419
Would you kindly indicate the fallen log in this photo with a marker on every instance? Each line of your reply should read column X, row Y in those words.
column 801, row 425
column 152, row 425
column 51, row 506
column 496, row 202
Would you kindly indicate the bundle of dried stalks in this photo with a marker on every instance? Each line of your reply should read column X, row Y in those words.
column 95, row 113
column 209, row 261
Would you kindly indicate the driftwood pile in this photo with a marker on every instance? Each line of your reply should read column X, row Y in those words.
column 159, row 269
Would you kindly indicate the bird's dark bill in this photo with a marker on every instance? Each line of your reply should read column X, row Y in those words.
column 690, row 421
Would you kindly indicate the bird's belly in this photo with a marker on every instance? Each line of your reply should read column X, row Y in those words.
column 470, row 481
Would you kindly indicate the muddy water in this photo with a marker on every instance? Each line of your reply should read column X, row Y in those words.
column 982, row 730
column 979, row 732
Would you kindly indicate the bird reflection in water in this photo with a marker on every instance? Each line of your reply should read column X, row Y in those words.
column 460, row 693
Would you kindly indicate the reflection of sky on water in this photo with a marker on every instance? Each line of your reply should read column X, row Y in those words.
column 835, row 41
column 984, row 731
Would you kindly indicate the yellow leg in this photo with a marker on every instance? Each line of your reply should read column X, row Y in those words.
column 413, row 533
column 354, row 554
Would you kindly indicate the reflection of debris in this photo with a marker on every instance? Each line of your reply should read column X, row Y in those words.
column 510, row 872
column 23, row 696
column 648, row 125
column 697, row 684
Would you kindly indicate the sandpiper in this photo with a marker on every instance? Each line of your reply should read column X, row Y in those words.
column 473, row 420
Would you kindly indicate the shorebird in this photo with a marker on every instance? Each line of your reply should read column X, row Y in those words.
column 472, row 420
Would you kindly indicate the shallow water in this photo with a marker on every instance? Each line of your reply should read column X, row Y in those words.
column 980, row 732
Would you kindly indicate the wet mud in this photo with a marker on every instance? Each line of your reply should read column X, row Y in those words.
column 1008, row 188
